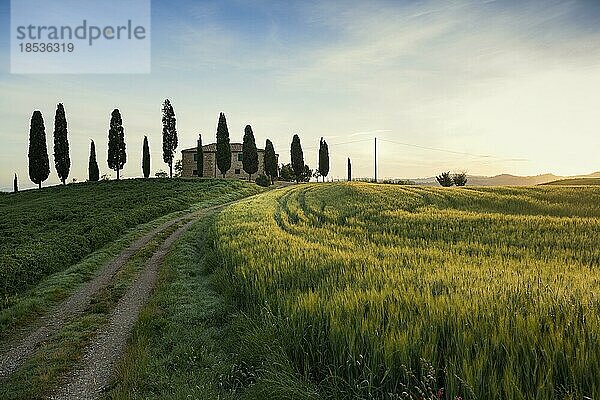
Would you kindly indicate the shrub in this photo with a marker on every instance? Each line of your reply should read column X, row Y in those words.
column 460, row 179
column 263, row 181
column 445, row 179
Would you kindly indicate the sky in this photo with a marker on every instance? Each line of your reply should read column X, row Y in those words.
column 483, row 86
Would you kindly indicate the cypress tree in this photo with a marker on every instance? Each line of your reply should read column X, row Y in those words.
column 270, row 161
column 93, row 171
column 15, row 185
column 39, row 165
column 249, row 152
column 323, row 159
column 349, row 170
column 223, row 146
column 117, row 157
column 62, row 162
column 169, row 135
column 146, row 158
column 297, row 158
column 200, row 157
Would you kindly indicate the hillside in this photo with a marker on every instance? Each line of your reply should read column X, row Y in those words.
column 507, row 179
column 351, row 290
column 47, row 230
column 575, row 182
column 370, row 289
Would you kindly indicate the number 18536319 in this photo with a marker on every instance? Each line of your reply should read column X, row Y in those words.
column 46, row 47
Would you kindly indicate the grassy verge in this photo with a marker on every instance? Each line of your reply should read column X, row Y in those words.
column 40, row 374
column 192, row 343
column 52, row 290
column 46, row 231
column 26, row 306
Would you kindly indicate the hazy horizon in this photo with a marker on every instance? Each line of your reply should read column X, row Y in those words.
column 514, row 84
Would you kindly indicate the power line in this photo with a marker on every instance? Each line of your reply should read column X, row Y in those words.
column 339, row 144
column 425, row 148
column 437, row 149
column 452, row 151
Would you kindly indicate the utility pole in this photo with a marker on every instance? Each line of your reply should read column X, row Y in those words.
column 375, row 159
column 349, row 170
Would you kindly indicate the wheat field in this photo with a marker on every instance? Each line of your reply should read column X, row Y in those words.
column 383, row 291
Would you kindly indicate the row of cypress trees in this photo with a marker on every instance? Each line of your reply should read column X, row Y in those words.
column 249, row 152
column 117, row 155
column 39, row 166
column 297, row 157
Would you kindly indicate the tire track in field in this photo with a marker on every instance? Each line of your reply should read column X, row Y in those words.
column 21, row 349
column 93, row 373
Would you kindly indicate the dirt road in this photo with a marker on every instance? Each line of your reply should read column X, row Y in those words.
column 20, row 349
column 92, row 375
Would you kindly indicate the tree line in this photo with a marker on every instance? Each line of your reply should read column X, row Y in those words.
column 296, row 170
column 39, row 165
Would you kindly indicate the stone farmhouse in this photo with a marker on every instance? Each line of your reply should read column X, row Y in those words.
column 189, row 157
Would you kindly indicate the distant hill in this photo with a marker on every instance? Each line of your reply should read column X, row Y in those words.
column 575, row 182
column 510, row 180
